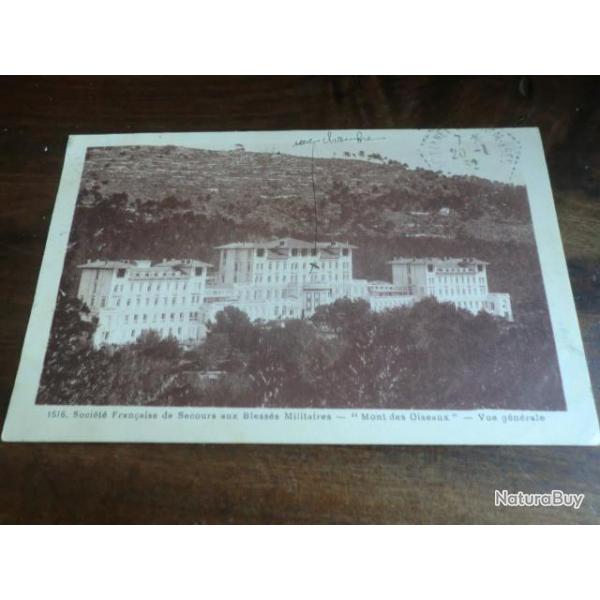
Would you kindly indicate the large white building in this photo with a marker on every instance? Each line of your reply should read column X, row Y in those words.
column 269, row 280
column 130, row 297
column 282, row 279
column 462, row 281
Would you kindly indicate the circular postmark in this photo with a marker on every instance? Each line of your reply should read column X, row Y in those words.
column 489, row 153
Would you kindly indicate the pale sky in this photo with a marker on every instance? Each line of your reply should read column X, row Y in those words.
column 490, row 153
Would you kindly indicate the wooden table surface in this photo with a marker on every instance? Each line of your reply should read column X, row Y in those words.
column 126, row 483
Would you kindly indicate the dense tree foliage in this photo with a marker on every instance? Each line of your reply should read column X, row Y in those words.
column 69, row 363
column 431, row 355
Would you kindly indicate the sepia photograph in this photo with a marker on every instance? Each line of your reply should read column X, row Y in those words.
column 328, row 276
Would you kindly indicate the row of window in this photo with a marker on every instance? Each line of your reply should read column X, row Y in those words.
column 114, row 336
column 466, row 291
column 148, row 287
column 446, row 279
column 475, row 305
column 198, row 271
column 294, row 278
column 117, row 301
column 278, row 312
column 144, row 318
column 471, row 304
column 174, row 300
column 162, row 331
column 295, row 266
column 260, row 252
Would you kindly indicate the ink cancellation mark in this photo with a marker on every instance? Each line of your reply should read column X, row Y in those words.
column 492, row 153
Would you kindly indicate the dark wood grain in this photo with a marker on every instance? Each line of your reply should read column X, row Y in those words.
column 125, row 483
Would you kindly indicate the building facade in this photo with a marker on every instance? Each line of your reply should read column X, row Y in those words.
column 131, row 297
column 461, row 281
column 270, row 280
column 283, row 279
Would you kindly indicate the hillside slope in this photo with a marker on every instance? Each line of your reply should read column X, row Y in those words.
column 167, row 201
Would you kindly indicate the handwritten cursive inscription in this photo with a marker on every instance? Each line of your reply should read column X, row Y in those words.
column 332, row 138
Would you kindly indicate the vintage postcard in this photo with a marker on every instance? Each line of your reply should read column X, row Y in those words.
column 377, row 287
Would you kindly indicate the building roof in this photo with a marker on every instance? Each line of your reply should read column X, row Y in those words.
column 284, row 243
column 143, row 264
column 182, row 262
column 107, row 264
column 446, row 261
